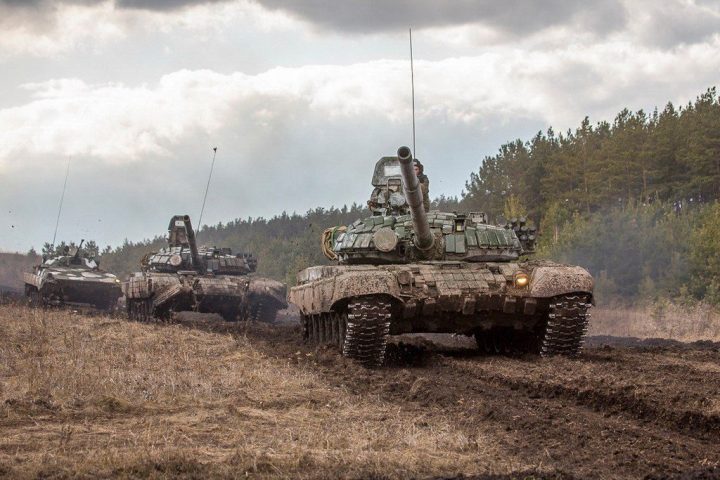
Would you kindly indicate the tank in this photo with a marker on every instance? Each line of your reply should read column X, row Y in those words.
column 404, row 270
column 183, row 277
column 72, row 279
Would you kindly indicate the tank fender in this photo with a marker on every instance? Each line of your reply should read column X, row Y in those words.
column 324, row 293
column 354, row 284
column 268, row 288
column 560, row 280
column 31, row 279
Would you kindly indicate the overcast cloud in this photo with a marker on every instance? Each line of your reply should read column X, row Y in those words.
column 301, row 98
column 517, row 16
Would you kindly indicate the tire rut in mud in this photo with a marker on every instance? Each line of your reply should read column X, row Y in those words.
column 609, row 401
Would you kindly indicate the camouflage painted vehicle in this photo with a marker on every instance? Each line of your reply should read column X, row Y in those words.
column 183, row 277
column 74, row 280
column 404, row 270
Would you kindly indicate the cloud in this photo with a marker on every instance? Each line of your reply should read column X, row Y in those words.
column 47, row 28
column 42, row 28
column 121, row 123
column 519, row 17
column 162, row 4
column 141, row 4
column 668, row 24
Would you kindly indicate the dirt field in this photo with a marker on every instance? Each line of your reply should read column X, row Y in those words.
column 84, row 396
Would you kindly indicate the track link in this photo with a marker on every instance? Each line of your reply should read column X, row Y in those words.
column 567, row 324
column 361, row 333
column 368, row 327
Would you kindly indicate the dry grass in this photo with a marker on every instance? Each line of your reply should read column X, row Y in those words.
column 663, row 320
column 98, row 396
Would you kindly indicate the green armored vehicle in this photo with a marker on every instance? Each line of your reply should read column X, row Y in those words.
column 405, row 270
column 74, row 280
column 183, row 277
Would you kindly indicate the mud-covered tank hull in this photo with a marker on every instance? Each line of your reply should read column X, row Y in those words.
column 96, row 291
column 357, row 307
column 158, row 295
column 265, row 298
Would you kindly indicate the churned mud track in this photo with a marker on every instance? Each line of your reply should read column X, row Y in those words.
column 615, row 412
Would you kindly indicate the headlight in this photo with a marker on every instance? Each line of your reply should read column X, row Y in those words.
column 521, row 280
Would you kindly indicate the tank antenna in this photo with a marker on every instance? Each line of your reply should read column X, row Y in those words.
column 207, row 187
column 62, row 198
column 412, row 88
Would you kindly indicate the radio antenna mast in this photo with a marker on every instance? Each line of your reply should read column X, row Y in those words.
column 412, row 87
column 62, row 198
column 207, row 187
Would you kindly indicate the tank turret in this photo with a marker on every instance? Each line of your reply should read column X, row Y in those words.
column 181, row 235
column 401, row 231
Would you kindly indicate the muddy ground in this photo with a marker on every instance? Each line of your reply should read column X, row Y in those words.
column 626, row 408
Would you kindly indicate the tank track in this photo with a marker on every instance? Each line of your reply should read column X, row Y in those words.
column 263, row 311
column 139, row 310
column 368, row 328
column 567, row 324
column 503, row 342
column 361, row 333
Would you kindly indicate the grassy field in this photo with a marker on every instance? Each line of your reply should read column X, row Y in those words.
column 686, row 324
column 99, row 396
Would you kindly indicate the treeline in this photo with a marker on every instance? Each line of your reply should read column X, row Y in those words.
column 647, row 252
column 632, row 200
column 668, row 155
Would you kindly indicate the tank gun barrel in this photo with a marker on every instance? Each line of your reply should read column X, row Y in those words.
column 193, row 244
column 424, row 239
column 77, row 252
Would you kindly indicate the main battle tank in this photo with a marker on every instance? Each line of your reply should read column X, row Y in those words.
column 72, row 280
column 404, row 270
column 183, row 277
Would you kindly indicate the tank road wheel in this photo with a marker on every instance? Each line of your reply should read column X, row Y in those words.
column 368, row 328
column 340, row 320
column 499, row 341
column 567, row 323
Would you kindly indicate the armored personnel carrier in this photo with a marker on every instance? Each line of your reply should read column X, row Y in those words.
column 405, row 270
column 183, row 277
column 74, row 280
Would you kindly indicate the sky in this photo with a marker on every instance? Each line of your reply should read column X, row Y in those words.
column 301, row 97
